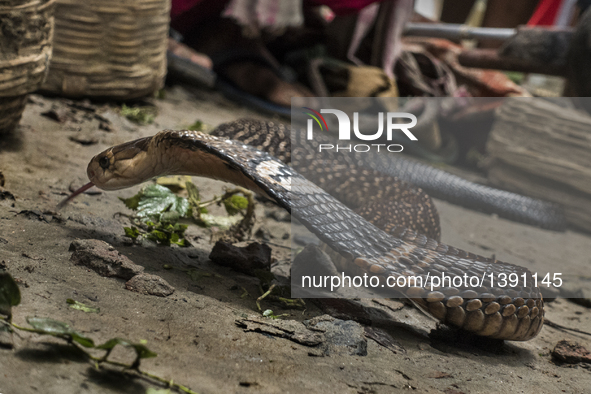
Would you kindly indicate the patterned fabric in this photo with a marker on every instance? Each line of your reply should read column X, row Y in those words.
column 271, row 15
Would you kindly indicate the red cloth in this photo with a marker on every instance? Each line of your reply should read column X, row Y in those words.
column 545, row 13
column 180, row 6
column 339, row 7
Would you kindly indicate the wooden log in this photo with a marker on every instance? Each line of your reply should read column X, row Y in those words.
column 541, row 149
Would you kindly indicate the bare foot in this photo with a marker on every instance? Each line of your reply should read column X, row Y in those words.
column 181, row 50
column 261, row 81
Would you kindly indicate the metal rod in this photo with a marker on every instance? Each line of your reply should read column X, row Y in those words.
column 457, row 31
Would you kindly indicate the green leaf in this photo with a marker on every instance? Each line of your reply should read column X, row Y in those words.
column 158, row 236
column 140, row 349
column 197, row 126
column 49, row 326
column 181, row 242
column 169, row 217
column 131, row 232
column 82, row 307
column 180, row 228
column 82, row 340
column 143, row 351
column 131, row 202
column 139, row 115
column 166, row 233
column 111, row 343
column 235, row 204
column 156, row 199
column 10, row 294
column 174, row 238
column 223, row 222
column 45, row 325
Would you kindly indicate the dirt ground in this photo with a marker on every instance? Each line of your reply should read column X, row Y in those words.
column 195, row 330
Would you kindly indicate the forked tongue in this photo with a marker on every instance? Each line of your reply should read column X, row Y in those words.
column 74, row 194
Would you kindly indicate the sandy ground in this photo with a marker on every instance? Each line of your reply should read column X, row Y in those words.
column 194, row 330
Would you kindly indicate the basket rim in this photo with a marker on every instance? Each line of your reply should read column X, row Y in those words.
column 34, row 6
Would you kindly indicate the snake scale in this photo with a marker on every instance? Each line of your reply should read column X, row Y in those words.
column 512, row 313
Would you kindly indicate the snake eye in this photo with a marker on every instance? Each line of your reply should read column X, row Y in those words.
column 104, row 162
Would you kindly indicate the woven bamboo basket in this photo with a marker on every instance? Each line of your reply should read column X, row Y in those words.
column 26, row 31
column 109, row 48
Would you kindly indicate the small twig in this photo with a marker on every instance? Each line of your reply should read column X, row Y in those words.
column 277, row 245
column 205, row 204
column 245, row 292
column 560, row 327
column 265, row 294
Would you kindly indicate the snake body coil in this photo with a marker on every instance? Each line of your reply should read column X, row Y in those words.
column 515, row 313
column 443, row 185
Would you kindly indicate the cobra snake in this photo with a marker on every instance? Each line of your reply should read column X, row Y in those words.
column 511, row 313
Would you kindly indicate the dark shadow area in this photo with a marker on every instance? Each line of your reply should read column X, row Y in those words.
column 115, row 381
column 453, row 341
column 12, row 141
column 51, row 353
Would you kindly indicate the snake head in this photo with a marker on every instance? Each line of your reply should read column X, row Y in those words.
column 121, row 166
